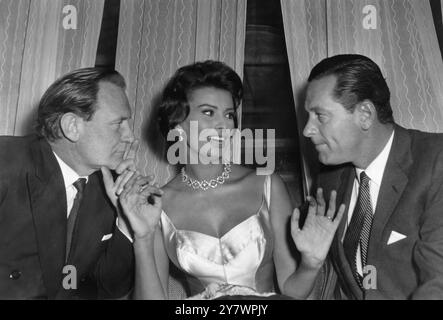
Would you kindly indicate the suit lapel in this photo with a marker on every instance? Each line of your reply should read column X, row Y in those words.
column 90, row 224
column 48, row 205
column 394, row 181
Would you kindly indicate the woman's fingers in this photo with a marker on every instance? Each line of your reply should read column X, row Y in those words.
column 156, row 200
column 148, row 190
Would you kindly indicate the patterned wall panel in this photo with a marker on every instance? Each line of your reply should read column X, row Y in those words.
column 404, row 44
column 36, row 49
column 156, row 37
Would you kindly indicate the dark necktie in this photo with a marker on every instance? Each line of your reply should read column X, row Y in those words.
column 359, row 229
column 79, row 185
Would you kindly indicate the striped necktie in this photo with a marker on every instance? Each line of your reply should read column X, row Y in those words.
column 359, row 229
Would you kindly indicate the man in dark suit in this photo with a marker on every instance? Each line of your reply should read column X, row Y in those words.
column 59, row 236
column 389, row 244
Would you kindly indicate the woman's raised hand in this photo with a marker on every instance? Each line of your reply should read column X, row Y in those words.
column 142, row 204
column 315, row 238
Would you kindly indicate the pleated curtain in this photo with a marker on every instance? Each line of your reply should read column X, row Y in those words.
column 404, row 44
column 35, row 49
column 305, row 34
column 155, row 38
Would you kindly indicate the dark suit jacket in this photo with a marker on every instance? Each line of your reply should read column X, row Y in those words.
column 33, row 230
column 410, row 202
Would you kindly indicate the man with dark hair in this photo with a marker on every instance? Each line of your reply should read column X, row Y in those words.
column 390, row 242
column 59, row 236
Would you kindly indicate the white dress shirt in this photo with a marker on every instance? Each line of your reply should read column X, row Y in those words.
column 69, row 177
column 374, row 172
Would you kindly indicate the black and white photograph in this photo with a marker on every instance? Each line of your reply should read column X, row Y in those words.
column 249, row 153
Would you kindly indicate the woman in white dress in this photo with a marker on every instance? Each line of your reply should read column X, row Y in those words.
column 228, row 229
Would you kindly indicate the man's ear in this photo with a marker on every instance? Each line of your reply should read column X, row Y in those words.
column 71, row 126
column 366, row 113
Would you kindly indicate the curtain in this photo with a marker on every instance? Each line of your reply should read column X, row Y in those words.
column 404, row 44
column 155, row 38
column 35, row 49
column 305, row 33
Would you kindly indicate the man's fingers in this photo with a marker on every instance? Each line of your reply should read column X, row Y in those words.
column 295, row 220
column 108, row 180
column 340, row 214
column 143, row 180
column 128, row 164
column 312, row 210
column 331, row 209
column 126, row 177
column 131, row 150
column 321, row 202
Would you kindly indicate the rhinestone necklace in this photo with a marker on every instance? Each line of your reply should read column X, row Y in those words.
column 205, row 184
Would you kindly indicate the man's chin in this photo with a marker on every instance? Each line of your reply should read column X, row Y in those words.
column 325, row 160
column 328, row 161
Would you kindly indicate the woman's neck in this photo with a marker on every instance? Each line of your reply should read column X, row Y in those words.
column 204, row 171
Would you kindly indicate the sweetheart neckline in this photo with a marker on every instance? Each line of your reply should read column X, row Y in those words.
column 214, row 237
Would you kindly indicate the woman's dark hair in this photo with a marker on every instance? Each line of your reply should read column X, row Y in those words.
column 74, row 92
column 174, row 107
column 358, row 78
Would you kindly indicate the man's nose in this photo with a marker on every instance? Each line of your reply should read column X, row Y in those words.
column 128, row 135
column 309, row 129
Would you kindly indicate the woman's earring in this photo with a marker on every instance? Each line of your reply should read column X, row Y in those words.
column 180, row 132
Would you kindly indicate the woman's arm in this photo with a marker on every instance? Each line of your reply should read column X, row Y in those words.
column 312, row 242
column 151, row 260
column 151, row 267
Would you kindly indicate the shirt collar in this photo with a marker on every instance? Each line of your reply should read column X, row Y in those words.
column 376, row 168
column 69, row 175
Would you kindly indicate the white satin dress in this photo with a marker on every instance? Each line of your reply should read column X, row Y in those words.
column 240, row 262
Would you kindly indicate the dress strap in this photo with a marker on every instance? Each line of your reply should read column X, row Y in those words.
column 267, row 190
column 166, row 223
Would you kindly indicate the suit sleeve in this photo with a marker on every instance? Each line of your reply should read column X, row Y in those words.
column 428, row 253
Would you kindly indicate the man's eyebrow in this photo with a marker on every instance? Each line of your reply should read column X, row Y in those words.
column 120, row 119
column 316, row 109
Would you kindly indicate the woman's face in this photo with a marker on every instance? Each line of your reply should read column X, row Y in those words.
column 211, row 112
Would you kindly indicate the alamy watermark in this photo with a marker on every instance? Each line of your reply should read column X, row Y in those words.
column 211, row 146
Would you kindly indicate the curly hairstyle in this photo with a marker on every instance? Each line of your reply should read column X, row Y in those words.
column 174, row 106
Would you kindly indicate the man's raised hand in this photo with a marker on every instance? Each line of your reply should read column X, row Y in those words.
column 315, row 238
